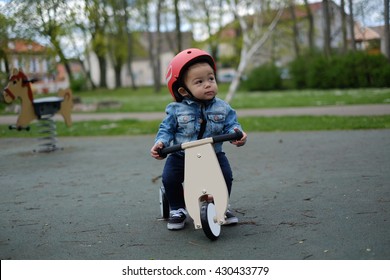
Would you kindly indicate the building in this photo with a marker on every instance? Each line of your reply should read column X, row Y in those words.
column 374, row 39
column 143, row 71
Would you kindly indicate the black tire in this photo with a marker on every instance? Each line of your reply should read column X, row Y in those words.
column 210, row 227
column 164, row 205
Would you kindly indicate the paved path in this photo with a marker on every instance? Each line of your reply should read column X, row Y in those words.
column 351, row 110
column 298, row 195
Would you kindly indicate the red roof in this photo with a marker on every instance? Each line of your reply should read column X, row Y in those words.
column 365, row 33
column 24, row 46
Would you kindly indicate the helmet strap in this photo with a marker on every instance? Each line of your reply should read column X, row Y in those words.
column 192, row 97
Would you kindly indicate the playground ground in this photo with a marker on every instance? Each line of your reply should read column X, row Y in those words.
column 298, row 196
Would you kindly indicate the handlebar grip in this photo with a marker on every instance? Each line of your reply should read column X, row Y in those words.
column 168, row 150
column 228, row 137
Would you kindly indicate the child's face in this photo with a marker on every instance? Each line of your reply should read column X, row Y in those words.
column 201, row 81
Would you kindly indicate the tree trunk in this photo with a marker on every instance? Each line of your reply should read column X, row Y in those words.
column 295, row 27
column 103, row 70
column 62, row 57
column 178, row 27
column 352, row 25
column 157, row 62
column 90, row 83
column 387, row 29
column 327, row 39
column 154, row 46
column 3, row 57
column 130, row 59
column 129, row 42
column 344, row 27
column 117, row 70
column 310, row 34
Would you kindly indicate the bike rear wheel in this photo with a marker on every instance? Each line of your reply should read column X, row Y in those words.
column 164, row 205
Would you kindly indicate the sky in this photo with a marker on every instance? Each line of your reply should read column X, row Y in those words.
column 370, row 16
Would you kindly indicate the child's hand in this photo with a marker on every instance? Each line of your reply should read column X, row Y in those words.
column 242, row 141
column 154, row 150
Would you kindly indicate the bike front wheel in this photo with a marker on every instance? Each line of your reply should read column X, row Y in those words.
column 210, row 225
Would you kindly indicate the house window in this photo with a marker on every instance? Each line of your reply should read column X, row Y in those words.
column 11, row 45
column 15, row 62
column 37, row 68
column 31, row 65
column 34, row 63
column 44, row 65
column 18, row 62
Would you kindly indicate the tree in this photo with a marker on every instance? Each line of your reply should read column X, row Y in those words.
column 253, row 40
column 154, row 40
column 5, row 23
column 82, row 55
column 117, row 35
column 46, row 18
column 208, row 19
column 129, row 44
column 96, row 13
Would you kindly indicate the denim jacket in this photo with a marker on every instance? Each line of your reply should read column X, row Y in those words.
column 183, row 121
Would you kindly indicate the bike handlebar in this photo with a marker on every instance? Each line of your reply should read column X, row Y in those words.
column 216, row 139
column 168, row 150
column 228, row 137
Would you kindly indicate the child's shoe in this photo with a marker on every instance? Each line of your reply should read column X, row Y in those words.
column 230, row 219
column 177, row 219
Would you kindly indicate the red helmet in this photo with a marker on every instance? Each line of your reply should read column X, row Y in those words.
column 180, row 64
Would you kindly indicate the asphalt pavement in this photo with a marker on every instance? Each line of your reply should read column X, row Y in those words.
column 298, row 195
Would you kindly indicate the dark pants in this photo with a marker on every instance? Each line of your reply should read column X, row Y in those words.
column 173, row 177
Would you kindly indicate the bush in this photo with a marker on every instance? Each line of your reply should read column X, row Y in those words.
column 78, row 84
column 353, row 70
column 298, row 70
column 265, row 77
column 318, row 74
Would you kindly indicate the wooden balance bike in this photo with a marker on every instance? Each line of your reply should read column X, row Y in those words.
column 205, row 192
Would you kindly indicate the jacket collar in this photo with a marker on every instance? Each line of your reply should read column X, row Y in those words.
column 190, row 101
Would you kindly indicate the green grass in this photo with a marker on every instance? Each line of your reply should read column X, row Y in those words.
column 250, row 124
column 303, row 98
column 145, row 100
